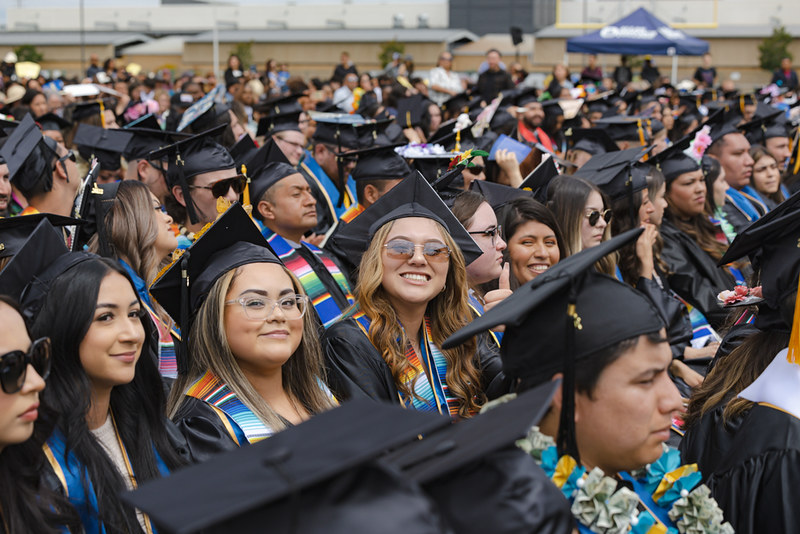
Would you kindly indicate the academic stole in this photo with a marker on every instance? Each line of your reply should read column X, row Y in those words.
column 431, row 393
column 71, row 473
column 210, row 389
column 476, row 305
column 325, row 305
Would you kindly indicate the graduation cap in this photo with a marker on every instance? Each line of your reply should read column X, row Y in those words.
column 15, row 231
column 616, row 173
column 380, row 163
column 29, row 157
column 269, row 175
column 525, row 96
column 673, row 161
column 412, row 197
column 50, row 121
column 721, row 124
column 552, row 107
column 431, row 166
column 189, row 157
column 766, row 127
column 231, row 241
column 101, row 143
column 461, row 103
column 279, row 122
column 244, row 149
column 181, row 100
column 266, row 153
column 539, row 178
column 202, row 115
column 148, row 136
column 562, row 317
column 280, row 104
column 771, row 244
column 624, row 128
column 314, row 477
column 411, row 110
column 593, row 141
column 599, row 105
column 498, row 195
column 99, row 200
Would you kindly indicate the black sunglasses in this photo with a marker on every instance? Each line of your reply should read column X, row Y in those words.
column 220, row 188
column 70, row 155
column 475, row 170
column 594, row 217
column 14, row 365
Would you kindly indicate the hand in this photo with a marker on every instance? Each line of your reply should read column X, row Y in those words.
column 412, row 135
column 644, row 250
column 709, row 351
column 507, row 161
column 684, row 372
column 492, row 298
column 315, row 239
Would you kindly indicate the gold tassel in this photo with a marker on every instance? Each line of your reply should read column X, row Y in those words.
column 458, row 141
column 794, row 339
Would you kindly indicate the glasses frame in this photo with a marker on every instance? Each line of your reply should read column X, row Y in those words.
column 475, row 170
column 70, row 155
column 18, row 381
column 492, row 232
column 298, row 298
column 428, row 257
column 594, row 217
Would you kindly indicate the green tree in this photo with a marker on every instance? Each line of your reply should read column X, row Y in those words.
column 774, row 48
column 245, row 53
column 28, row 53
column 389, row 48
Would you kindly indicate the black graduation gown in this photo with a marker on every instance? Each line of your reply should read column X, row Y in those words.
column 325, row 218
column 340, row 256
column 694, row 275
column 357, row 370
column 752, row 466
column 203, row 430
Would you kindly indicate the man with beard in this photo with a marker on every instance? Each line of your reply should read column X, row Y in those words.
column 530, row 115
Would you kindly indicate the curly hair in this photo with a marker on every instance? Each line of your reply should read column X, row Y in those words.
column 448, row 312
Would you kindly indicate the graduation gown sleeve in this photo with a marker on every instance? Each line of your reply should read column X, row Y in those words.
column 204, row 431
column 495, row 383
column 673, row 313
column 354, row 366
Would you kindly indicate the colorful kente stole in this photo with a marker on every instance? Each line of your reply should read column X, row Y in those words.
column 329, row 307
column 328, row 186
column 427, row 377
column 210, row 389
column 72, row 474
column 353, row 212
column 476, row 305
column 744, row 204
column 30, row 210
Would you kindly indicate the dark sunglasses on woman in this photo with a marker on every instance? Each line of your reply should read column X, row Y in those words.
column 14, row 365
column 475, row 170
column 594, row 217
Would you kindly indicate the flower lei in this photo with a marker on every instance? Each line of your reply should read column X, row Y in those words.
column 702, row 140
column 600, row 506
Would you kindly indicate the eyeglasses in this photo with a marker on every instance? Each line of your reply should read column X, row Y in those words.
column 221, row 187
column 400, row 249
column 259, row 308
column 475, row 170
column 595, row 215
column 14, row 365
column 290, row 143
column 70, row 155
column 492, row 232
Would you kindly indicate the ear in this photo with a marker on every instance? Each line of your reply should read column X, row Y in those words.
column 266, row 210
column 141, row 169
column 557, row 401
column 371, row 193
column 60, row 170
column 177, row 192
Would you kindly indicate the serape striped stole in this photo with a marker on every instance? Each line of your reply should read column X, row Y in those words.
column 210, row 389
column 353, row 212
column 431, row 393
column 324, row 303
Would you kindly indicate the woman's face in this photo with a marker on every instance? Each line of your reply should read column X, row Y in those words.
column 766, row 175
column 687, row 194
column 166, row 241
column 489, row 265
column 646, row 209
column 532, row 250
column 236, row 126
column 591, row 236
column 262, row 345
column 418, row 279
column 659, row 205
column 234, row 63
column 112, row 345
column 18, row 411
column 39, row 105
column 720, row 188
column 366, row 82
column 667, row 118
column 476, row 172
column 436, row 117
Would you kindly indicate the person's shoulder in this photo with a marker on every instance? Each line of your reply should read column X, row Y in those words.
column 345, row 328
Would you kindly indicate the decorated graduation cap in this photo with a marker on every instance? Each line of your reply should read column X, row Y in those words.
column 99, row 200
column 760, row 129
column 498, row 195
column 15, row 231
column 624, row 128
column 563, row 317
column 412, row 197
column 539, row 179
column 29, row 156
column 771, row 244
column 380, row 163
column 295, row 480
column 51, row 121
column 101, row 143
column 147, row 137
column 203, row 114
column 231, row 241
column 189, row 157
column 593, row 141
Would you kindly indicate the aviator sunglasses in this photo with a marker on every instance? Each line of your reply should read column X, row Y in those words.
column 400, row 249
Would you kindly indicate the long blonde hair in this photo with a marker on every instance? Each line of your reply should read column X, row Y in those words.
column 447, row 312
column 302, row 374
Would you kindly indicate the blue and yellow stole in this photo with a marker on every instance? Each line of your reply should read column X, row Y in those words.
column 328, row 186
column 477, row 308
column 324, row 303
column 74, row 479
column 745, row 204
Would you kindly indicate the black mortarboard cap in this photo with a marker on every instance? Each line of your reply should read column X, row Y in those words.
column 266, row 153
column 766, row 127
column 412, row 197
column 722, row 124
column 279, row 122
column 591, row 140
column 334, row 131
column 433, row 166
column 525, row 96
column 565, row 315
column 194, row 155
column 104, row 144
column 15, row 231
column 598, row 105
column 380, row 163
column 84, row 110
column 34, row 244
column 293, row 481
column 616, row 173
column 51, row 121
column 461, row 103
column 267, row 176
column 539, row 178
column 411, row 110
column 99, row 200
column 621, row 127
column 244, row 149
column 497, row 195
column 148, row 137
column 231, row 241
column 552, row 107
column 672, row 162
column 29, row 156
column 280, row 104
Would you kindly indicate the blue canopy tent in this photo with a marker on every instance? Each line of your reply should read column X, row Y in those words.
column 637, row 34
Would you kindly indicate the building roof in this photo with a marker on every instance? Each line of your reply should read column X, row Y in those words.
column 165, row 46
column 39, row 38
column 404, row 35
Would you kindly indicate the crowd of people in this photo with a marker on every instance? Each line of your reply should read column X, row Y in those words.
column 457, row 304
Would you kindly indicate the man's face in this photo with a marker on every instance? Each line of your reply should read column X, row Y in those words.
column 56, row 135
column 195, row 90
column 493, row 59
column 293, row 206
column 636, row 393
column 106, row 176
column 326, row 157
column 204, row 200
column 153, row 175
column 735, row 159
column 533, row 115
column 351, row 81
column 5, row 188
column 778, row 147
column 292, row 143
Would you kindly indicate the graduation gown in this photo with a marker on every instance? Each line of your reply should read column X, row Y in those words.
column 207, row 431
column 357, row 370
column 326, row 194
column 751, row 464
column 741, row 210
column 694, row 276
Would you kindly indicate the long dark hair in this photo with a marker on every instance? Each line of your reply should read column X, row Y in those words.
column 138, row 407
column 28, row 505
